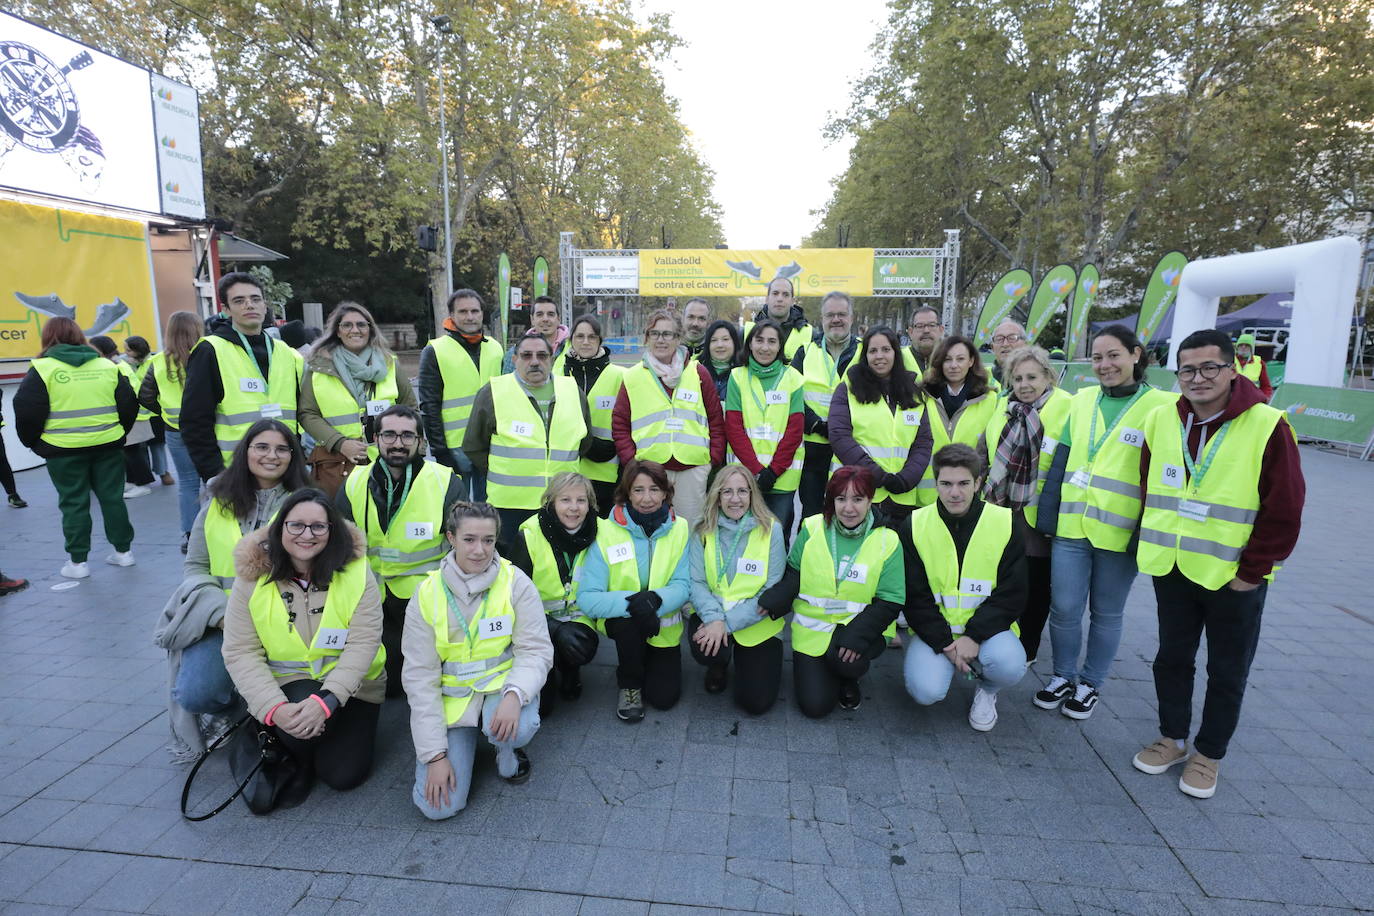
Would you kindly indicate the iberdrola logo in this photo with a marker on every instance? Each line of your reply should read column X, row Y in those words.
column 172, row 186
column 1059, row 284
column 1302, row 408
column 1089, row 285
column 1171, row 276
column 1014, row 289
column 888, row 269
column 165, row 94
column 169, row 142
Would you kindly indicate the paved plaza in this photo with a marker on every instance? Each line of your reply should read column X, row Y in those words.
column 887, row 809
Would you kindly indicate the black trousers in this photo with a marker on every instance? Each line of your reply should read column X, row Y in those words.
column 137, row 470
column 6, row 472
column 511, row 520
column 654, row 670
column 604, row 490
column 1037, row 610
column 574, row 643
column 393, row 623
column 1231, row 620
column 342, row 755
column 758, row 669
column 815, row 473
column 816, row 680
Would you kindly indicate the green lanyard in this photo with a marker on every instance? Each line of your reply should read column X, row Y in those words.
column 405, row 491
column 1197, row 472
column 763, row 408
column 722, row 559
column 842, row 572
column 253, row 360
column 469, row 626
column 1095, row 444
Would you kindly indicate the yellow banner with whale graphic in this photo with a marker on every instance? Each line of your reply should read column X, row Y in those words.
column 95, row 270
column 813, row 271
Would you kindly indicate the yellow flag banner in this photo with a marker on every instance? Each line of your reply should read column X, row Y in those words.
column 813, row 271
column 92, row 269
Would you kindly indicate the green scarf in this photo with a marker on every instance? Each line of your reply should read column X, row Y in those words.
column 355, row 369
column 767, row 375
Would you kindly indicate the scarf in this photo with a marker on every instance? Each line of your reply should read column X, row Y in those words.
column 1016, row 462
column 768, row 375
column 566, row 544
column 473, row 339
column 355, row 369
column 649, row 522
column 585, row 371
column 668, row 373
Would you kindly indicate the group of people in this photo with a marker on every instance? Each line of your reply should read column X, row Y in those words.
column 331, row 565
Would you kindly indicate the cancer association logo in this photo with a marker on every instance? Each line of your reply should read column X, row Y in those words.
column 39, row 111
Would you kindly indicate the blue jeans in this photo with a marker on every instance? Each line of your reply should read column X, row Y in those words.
column 203, row 685
column 462, row 749
column 188, row 481
column 1083, row 576
column 928, row 673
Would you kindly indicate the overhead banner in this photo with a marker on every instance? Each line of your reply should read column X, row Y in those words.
column 1334, row 414
column 813, row 271
column 614, row 272
column 1055, row 287
column 1160, row 294
column 1084, row 295
column 1004, row 296
column 95, row 270
column 541, row 277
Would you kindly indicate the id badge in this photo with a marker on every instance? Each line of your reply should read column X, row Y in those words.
column 523, row 430
column 605, row 403
column 495, row 627
column 1129, row 436
column 980, row 587
column 674, row 424
column 1080, row 479
column 376, row 407
column 1193, row 510
column 619, row 553
column 389, row 554
column 331, row 638
column 688, row 397
column 911, row 417
column 270, row 410
column 419, row 531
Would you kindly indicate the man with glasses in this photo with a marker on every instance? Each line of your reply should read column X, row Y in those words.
column 236, row 376
column 925, row 333
column 1224, row 493
column 822, row 364
column 399, row 503
column 696, row 315
column 526, row 427
column 1008, row 336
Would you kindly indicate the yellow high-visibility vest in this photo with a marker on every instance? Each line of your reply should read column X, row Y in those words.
column 413, row 542
column 665, row 429
column 560, row 601
column 169, row 390
column 462, row 380
column 600, row 407
column 1052, row 416
column 765, row 415
column 287, row 654
column 82, row 410
column 969, row 425
column 247, row 396
column 341, row 411
column 750, row 574
column 960, row 589
column 479, row 659
column 820, row 378
column 822, row 603
column 618, row 550
column 886, row 435
column 525, row 453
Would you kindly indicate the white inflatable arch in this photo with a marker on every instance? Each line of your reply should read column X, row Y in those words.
column 1322, row 275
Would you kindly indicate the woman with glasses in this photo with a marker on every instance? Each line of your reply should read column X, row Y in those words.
column 266, row 467
column 668, row 412
column 961, row 402
column 350, row 378
column 1093, row 515
column 303, row 638
column 589, row 364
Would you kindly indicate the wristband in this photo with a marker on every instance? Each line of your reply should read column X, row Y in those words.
column 323, row 704
column 442, row 755
column 267, row 720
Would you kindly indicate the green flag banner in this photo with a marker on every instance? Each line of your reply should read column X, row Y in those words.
column 1160, row 294
column 541, row 277
column 503, row 290
column 1055, row 287
column 1085, row 293
column 1004, row 296
column 1334, row 414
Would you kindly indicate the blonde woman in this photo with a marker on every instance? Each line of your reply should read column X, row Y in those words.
column 736, row 553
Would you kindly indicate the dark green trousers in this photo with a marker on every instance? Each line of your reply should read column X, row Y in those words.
column 76, row 477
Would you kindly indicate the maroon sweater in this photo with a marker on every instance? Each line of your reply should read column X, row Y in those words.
column 715, row 422
column 1281, row 485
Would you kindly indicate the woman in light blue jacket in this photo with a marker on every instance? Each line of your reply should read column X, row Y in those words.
column 634, row 583
column 736, row 553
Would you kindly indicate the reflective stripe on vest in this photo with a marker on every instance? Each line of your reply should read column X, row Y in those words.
column 747, row 575
column 665, row 552
column 820, row 378
column 1207, row 551
column 168, row 389
column 462, row 380
column 560, row 601
column 1052, row 416
column 960, row 589
column 600, row 407
column 285, row 651
column 82, row 410
column 398, row 559
column 1105, row 512
column 821, row 605
column 970, row 423
column 886, row 435
column 468, row 665
column 686, row 438
column 338, row 406
column 765, row 423
column 239, row 409
column 524, row 453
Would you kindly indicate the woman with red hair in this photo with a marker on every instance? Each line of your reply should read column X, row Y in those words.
column 840, row 564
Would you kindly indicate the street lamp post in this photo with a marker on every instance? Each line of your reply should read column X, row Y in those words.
column 443, row 26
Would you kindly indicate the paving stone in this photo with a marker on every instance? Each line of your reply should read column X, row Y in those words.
column 697, row 831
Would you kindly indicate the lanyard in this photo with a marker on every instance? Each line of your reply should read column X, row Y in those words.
column 1197, row 471
column 405, row 491
column 763, row 408
column 842, row 572
column 723, row 559
column 469, row 626
column 1095, row 444
column 267, row 344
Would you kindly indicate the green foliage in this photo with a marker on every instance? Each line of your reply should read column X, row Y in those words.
column 277, row 292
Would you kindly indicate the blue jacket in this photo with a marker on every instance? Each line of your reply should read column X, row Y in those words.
column 707, row 604
column 596, row 602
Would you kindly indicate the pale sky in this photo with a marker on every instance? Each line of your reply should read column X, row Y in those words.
column 756, row 82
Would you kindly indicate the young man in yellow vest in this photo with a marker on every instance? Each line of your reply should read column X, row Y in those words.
column 1251, row 366
column 236, row 375
column 822, row 364
column 1223, row 503
column 453, row 368
column 780, row 304
column 526, row 427
column 399, row 502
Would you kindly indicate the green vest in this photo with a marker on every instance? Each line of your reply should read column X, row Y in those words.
column 247, row 398
column 1203, row 528
column 600, row 406
column 287, row 654
column 168, row 390
column 475, row 660
column 765, row 415
column 1100, row 498
column 1052, row 420
column 969, row 425
column 886, row 435
column 960, row 589
column 341, row 411
column 82, row 411
column 462, row 380
column 751, row 572
column 560, row 601
column 820, row 378
column 664, row 429
column 617, row 548
column 524, row 453
column 822, row 604
column 1250, row 370
column 413, row 542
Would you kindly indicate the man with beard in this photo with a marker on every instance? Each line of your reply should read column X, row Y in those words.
column 925, row 333
column 400, row 502
column 780, row 304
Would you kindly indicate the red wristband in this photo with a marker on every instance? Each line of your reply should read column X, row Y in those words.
column 267, row 720
column 323, row 704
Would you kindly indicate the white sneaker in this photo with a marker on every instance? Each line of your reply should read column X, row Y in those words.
column 121, row 559
column 74, row 570
column 982, row 714
column 135, row 492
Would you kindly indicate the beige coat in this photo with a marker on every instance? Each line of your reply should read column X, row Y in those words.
column 243, row 653
column 420, row 674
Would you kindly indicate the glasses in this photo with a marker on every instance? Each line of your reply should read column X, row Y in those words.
column 1008, row 338
column 926, row 325
column 389, row 436
column 662, row 335
column 533, row 356
column 263, row 449
column 316, row 528
column 354, row 325
column 1206, row 370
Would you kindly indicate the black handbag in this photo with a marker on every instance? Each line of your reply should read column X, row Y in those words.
column 267, row 774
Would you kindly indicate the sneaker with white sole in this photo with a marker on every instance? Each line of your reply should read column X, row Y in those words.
column 121, row 559
column 1055, row 692
column 631, row 705
column 74, row 570
column 1199, row 778
column 135, row 492
column 982, row 713
column 1160, row 756
column 1082, row 703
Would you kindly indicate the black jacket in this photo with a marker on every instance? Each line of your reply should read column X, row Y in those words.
column 31, row 408
column 380, row 481
column 431, row 384
column 813, row 424
column 586, row 372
